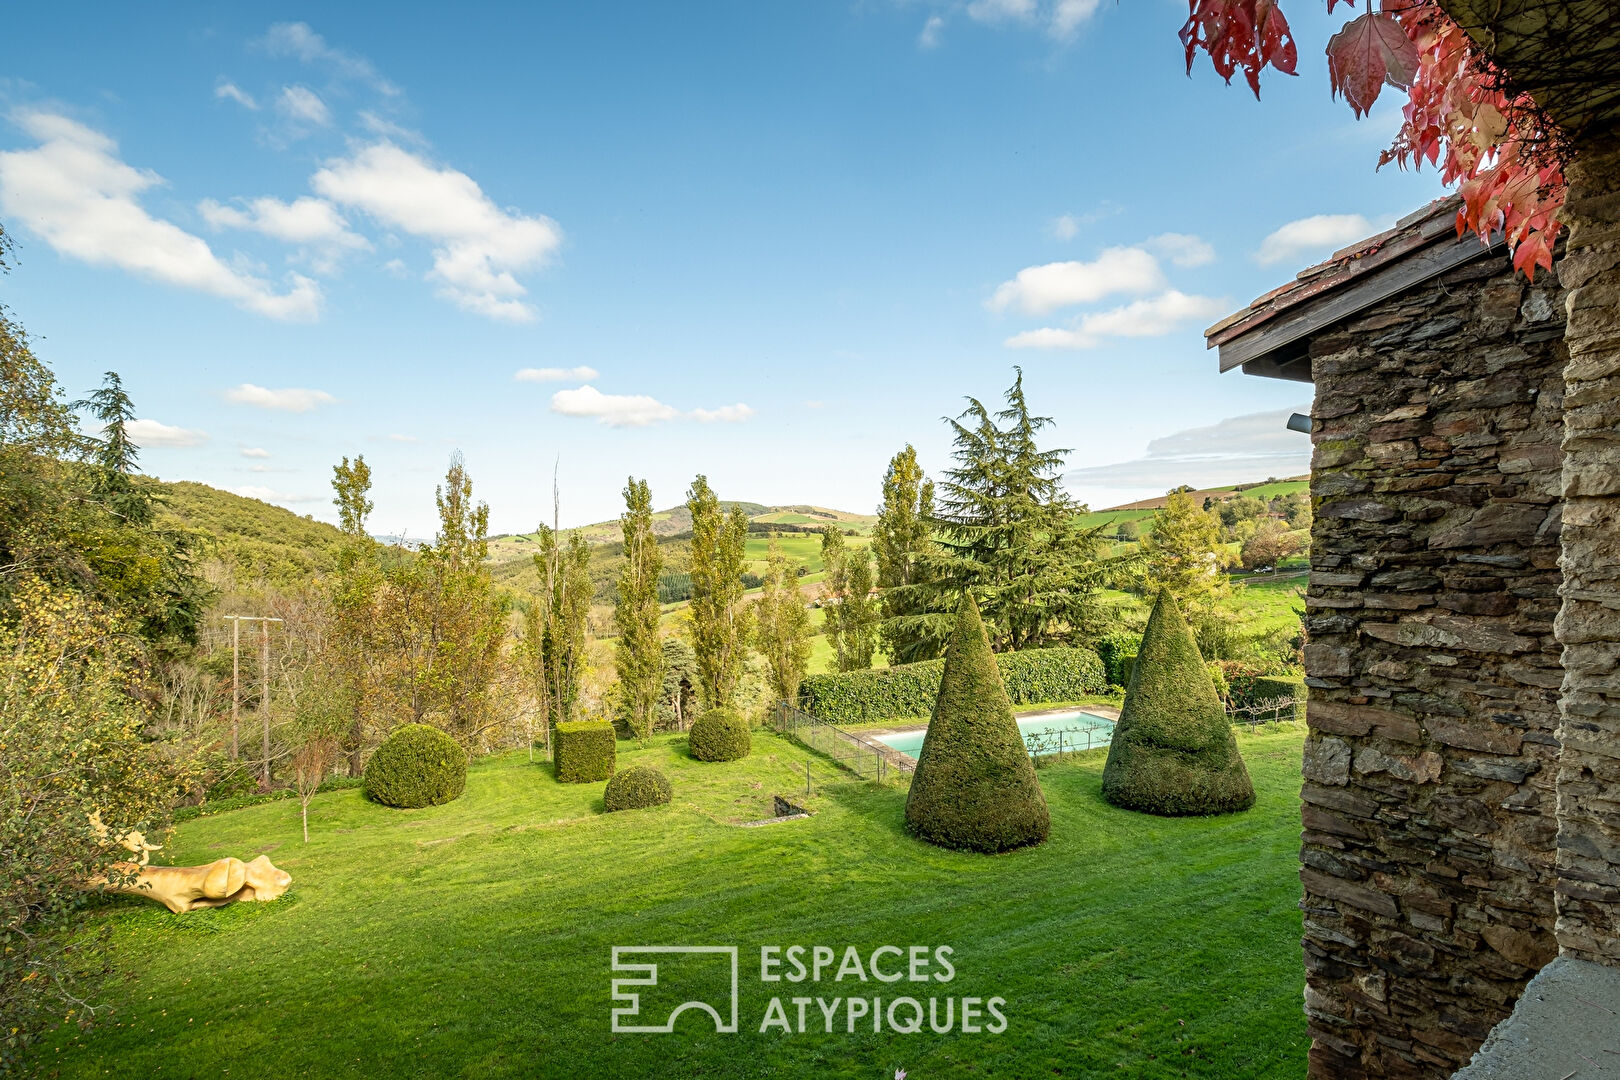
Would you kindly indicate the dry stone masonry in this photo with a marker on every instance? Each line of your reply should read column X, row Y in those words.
column 1429, row 805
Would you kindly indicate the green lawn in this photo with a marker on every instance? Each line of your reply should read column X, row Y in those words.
column 473, row 939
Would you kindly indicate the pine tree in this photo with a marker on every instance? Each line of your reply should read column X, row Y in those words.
column 640, row 655
column 1183, row 555
column 719, row 619
column 974, row 786
column 902, row 543
column 1007, row 532
column 1173, row 751
column 114, row 453
column 783, row 626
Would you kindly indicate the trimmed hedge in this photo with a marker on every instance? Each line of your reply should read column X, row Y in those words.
column 584, row 751
column 974, row 788
column 636, row 789
column 720, row 735
column 1117, row 650
column 909, row 690
column 1173, row 751
column 416, row 766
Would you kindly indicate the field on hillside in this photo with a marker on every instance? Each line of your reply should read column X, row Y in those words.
column 474, row 939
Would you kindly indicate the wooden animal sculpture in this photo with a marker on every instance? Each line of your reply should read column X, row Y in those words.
column 132, row 841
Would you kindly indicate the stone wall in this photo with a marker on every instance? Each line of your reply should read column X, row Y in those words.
column 1589, row 624
column 1429, row 805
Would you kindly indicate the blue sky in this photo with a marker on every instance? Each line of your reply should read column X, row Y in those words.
column 772, row 243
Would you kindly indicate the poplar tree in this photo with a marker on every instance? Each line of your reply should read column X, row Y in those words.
column 554, row 636
column 852, row 615
column 352, row 596
column 719, row 620
column 783, row 626
column 640, row 654
column 902, row 543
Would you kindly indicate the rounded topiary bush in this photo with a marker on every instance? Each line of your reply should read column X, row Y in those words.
column 720, row 735
column 637, row 789
column 416, row 766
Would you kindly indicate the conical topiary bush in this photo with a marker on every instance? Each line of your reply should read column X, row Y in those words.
column 1173, row 751
column 974, row 786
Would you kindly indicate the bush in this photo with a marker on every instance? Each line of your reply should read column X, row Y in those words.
column 1116, row 649
column 636, row 789
column 1173, row 751
column 416, row 766
column 909, row 690
column 585, row 751
column 974, row 787
column 720, row 735
column 1269, row 688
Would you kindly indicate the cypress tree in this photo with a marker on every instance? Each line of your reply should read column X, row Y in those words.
column 1173, row 751
column 975, row 786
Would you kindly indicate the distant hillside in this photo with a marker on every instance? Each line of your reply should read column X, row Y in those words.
column 256, row 541
column 1265, row 489
column 677, row 520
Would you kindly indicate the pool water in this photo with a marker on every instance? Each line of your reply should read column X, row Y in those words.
column 1055, row 733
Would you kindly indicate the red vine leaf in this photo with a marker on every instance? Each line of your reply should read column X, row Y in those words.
column 1367, row 52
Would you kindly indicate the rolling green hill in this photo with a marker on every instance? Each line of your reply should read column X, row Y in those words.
column 255, row 541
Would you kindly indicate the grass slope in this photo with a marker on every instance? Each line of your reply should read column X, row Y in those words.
column 473, row 939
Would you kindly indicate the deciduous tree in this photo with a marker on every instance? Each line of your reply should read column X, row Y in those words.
column 1182, row 553
column 639, row 655
column 902, row 543
column 783, row 626
column 719, row 619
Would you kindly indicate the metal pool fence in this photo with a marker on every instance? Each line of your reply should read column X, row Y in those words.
column 1267, row 711
column 862, row 756
column 1066, row 741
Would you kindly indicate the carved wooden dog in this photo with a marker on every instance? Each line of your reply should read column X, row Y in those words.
column 187, row 888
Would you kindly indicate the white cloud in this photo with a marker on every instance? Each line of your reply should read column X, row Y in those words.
column 1235, row 450
column 1182, row 249
column 291, row 399
column 386, row 128
column 930, row 35
column 396, row 437
column 725, row 414
column 1060, row 18
column 556, row 374
column 153, row 433
column 1065, row 227
column 1151, row 317
column 992, row 11
column 1317, row 235
column 303, row 106
column 480, row 246
column 815, row 404
column 614, row 410
column 255, row 452
column 312, row 224
column 1067, row 15
column 269, row 495
column 75, row 192
column 1040, row 289
column 229, row 91
column 298, row 40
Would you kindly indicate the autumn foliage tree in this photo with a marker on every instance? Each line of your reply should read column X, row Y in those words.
column 1461, row 115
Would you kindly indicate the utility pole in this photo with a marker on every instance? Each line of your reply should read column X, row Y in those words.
column 264, row 685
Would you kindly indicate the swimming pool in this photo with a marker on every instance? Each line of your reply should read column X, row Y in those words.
column 1052, row 734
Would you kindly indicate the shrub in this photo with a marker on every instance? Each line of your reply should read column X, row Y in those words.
column 1173, row 751
column 1270, row 688
column 584, row 751
column 720, row 735
column 1116, row 649
column 910, row 689
column 416, row 766
column 636, row 789
column 974, row 787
